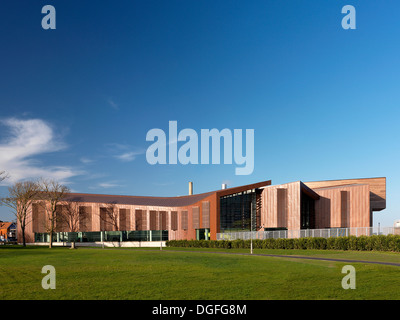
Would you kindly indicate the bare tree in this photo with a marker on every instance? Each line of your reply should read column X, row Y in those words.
column 20, row 199
column 71, row 217
column 3, row 175
column 109, row 215
column 53, row 193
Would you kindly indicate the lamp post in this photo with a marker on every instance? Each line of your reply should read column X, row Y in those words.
column 251, row 228
column 160, row 230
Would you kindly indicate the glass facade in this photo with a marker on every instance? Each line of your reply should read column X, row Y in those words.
column 203, row 234
column 238, row 210
column 307, row 212
column 107, row 236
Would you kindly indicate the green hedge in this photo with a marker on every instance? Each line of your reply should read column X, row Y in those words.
column 362, row 243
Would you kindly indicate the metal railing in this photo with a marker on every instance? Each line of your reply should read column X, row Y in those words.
column 324, row 233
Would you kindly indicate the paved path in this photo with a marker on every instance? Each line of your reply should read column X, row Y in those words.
column 295, row 257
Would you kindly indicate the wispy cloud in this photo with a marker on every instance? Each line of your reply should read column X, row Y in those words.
column 108, row 185
column 124, row 152
column 128, row 156
column 25, row 141
column 86, row 160
column 113, row 104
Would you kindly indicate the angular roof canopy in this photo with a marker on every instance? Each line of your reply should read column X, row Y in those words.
column 158, row 201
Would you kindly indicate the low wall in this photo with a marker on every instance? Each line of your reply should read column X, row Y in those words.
column 124, row 244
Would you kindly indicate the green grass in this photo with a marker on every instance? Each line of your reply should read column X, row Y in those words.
column 95, row 273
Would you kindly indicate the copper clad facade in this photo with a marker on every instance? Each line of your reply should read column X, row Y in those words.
column 291, row 206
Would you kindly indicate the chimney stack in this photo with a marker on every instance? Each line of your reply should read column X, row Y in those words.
column 190, row 188
column 224, row 186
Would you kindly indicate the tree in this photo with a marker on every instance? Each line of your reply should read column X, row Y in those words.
column 3, row 175
column 109, row 216
column 20, row 199
column 53, row 194
column 71, row 217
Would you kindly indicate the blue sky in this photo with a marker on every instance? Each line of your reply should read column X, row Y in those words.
column 76, row 102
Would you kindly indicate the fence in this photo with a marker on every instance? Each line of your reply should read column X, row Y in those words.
column 324, row 233
column 107, row 236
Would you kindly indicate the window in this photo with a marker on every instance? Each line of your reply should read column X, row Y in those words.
column 238, row 210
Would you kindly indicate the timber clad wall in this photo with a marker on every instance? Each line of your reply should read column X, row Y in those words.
column 377, row 189
column 281, row 206
column 346, row 206
column 337, row 203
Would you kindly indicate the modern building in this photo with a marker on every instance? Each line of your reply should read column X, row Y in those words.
column 8, row 231
column 292, row 206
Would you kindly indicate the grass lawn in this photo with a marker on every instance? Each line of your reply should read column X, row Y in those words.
column 95, row 273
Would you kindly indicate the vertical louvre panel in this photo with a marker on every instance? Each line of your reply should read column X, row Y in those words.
column 123, row 219
column 344, row 208
column 140, row 220
column 282, row 207
column 184, row 220
column 104, row 220
column 163, row 222
column 128, row 220
column 35, row 217
column 205, row 214
column 85, row 218
column 196, row 217
column 61, row 225
column 258, row 208
column 174, row 220
column 38, row 216
column 153, row 220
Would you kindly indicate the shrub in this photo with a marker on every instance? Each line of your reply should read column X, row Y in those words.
column 361, row 243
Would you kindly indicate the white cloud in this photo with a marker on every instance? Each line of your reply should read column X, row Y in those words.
column 124, row 152
column 108, row 185
column 113, row 104
column 128, row 156
column 105, row 185
column 86, row 160
column 26, row 140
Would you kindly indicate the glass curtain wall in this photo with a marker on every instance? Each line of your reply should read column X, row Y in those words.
column 307, row 212
column 238, row 210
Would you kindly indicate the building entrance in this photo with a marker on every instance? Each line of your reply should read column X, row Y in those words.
column 202, row 234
